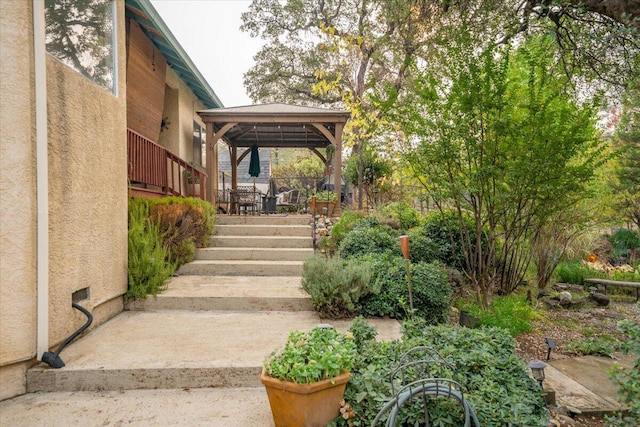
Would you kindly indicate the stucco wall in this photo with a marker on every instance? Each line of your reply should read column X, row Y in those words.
column 182, row 112
column 17, row 195
column 87, row 191
column 87, row 195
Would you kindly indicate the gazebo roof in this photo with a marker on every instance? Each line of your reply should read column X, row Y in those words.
column 276, row 125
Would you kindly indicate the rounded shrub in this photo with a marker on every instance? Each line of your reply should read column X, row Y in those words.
column 421, row 247
column 405, row 215
column 364, row 240
column 336, row 285
column 431, row 292
column 444, row 230
column 341, row 228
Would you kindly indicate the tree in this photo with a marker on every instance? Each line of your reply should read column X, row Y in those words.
column 627, row 171
column 375, row 169
column 498, row 137
column 338, row 52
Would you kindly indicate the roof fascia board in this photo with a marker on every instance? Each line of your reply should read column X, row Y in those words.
column 273, row 118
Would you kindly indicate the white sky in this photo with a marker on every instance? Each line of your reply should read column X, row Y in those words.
column 209, row 31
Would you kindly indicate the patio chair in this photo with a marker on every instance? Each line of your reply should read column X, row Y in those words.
column 248, row 199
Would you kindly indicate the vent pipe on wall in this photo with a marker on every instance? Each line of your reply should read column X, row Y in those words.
column 42, row 178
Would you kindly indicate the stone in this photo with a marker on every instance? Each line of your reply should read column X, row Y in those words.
column 566, row 421
column 601, row 299
column 565, row 296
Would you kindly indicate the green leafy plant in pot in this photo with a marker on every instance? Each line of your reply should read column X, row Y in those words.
column 305, row 380
column 325, row 199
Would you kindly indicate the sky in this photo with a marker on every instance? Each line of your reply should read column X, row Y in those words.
column 209, row 31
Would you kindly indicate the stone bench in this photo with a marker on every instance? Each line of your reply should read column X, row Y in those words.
column 603, row 283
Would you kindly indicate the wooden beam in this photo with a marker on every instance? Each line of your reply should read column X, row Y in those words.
column 337, row 178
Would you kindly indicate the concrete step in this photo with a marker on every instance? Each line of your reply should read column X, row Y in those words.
column 241, row 268
column 264, row 254
column 210, row 407
column 220, row 293
column 260, row 242
column 178, row 349
column 293, row 219
column 263, row 230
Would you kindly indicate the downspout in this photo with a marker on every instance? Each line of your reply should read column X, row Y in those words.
column 42, row 178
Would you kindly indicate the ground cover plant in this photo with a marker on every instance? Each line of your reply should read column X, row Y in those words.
column 513, row 313
column 495, row 379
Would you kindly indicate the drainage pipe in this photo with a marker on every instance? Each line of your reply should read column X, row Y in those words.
column 42, row 178
column 53, row 359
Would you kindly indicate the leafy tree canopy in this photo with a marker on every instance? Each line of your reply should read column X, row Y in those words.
column 500, row 138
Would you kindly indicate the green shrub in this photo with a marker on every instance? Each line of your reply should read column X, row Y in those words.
column 340, row 229
column 326, row 196
column 624, row 240
column 421, row 247
column 185, row 223
column 404, row 214
column 444, row 230
column 362, row 331
column 628, row 380
column 431, row 292
column 369, row 240
column 147, row 268
column 336, row 285
column 495, row 380
column 511, row 312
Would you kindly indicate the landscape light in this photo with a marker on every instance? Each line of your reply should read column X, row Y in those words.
column 551, row 345
column 537, row 370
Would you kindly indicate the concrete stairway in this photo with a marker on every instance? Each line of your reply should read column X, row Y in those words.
column 212, row 328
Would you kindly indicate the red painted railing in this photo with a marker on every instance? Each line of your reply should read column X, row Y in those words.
column 153, row 170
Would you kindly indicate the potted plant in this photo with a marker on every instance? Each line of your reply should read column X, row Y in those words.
column 326, row 199
column 305, row 380
column 192, row 181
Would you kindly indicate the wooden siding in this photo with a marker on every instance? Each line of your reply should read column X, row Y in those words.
column 146, row 74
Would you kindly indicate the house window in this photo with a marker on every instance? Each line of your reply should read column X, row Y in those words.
column 82, row 35
column 199, row 142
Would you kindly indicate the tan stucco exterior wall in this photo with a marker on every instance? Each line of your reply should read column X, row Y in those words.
column 17, row 197
column 87, row 195
column 181, row 110
column 87, row 191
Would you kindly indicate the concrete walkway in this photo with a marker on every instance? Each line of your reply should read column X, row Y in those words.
column 192, row 356
column 584, row 383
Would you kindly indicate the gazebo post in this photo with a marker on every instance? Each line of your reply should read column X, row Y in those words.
column 337, row 178
column 212, row 165
column 234, row 167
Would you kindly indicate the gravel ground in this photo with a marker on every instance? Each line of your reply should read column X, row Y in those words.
column 566, row 326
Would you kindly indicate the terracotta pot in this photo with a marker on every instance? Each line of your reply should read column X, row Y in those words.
column 304, row 405
column 324, row 204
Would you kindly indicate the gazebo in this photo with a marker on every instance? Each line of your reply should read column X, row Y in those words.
column 270, row 126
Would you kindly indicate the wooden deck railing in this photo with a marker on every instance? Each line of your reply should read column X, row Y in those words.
column 155, row 171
